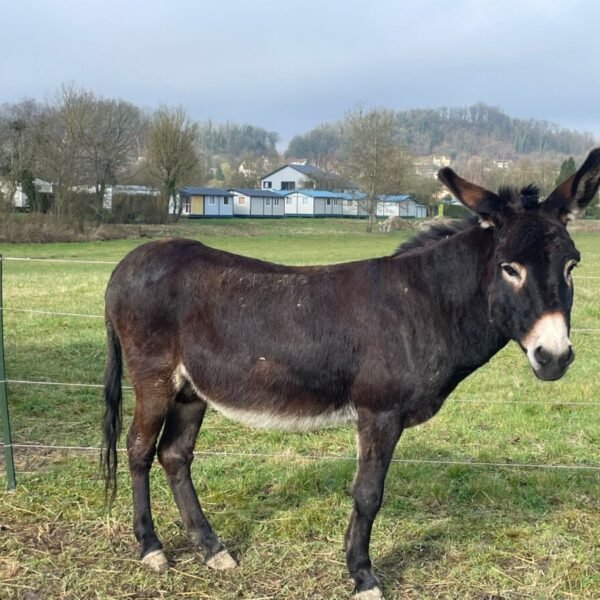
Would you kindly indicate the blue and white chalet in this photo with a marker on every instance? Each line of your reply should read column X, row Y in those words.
column 400, row 205
column 257, row 203
column 322, row 203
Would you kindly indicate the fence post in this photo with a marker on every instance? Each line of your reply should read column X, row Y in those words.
column 11, row 481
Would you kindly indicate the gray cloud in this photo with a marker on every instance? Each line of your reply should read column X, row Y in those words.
column 288, row 66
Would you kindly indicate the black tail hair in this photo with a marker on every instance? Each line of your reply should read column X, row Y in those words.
column 113, row 412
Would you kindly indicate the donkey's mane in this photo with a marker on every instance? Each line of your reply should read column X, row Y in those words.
column 518, row 200
column 434, row 234
column 511, row 198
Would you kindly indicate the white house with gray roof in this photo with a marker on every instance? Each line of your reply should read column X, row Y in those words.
column 296, row 177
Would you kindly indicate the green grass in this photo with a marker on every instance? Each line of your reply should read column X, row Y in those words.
column 445, row 531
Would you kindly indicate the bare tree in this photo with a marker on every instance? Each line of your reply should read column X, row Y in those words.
column 86, row 142
column 60, row 147
column 371, row 158
column 110, row 138
column 18, row 130
column 170, row 153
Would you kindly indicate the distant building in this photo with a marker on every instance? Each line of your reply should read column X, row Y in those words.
column 257, row 203
column 20, row 199
column 117, row 190
column 400, row 205
column 428, row 166
column 503, row 164
column 206, row 202
column 321, row 203
column 299, row 176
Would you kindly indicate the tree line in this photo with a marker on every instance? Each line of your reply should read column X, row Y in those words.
column 83, row 143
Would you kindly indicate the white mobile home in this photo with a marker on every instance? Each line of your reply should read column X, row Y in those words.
column 257, row 203
column 400, row 205
column 314, row 203
column 322, row 203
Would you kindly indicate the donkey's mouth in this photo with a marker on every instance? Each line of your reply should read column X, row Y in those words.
column 548, row 347
column 548, row 366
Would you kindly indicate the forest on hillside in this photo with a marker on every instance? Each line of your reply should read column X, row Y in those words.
column 458, row 132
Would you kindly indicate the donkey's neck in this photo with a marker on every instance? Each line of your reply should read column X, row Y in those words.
column 454, row 274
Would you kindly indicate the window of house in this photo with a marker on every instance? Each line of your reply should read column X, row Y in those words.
column 288, row 185
column 241, row 200
column 267, row 201
column 305, row 200
column 335, row 203
column 288, row 200
column 267, row 184
column 328, row 201
column 212, row 200
column 225, row 201
column 187, row 204
column 275, row 201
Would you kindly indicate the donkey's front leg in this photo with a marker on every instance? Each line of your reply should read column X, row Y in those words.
column 378, row 434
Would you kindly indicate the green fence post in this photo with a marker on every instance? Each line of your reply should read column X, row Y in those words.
column 11, row 481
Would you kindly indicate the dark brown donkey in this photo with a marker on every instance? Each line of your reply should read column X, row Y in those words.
column 378, row 342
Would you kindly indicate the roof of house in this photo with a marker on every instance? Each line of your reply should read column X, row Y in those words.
column 202, row 191
column 320, row 194
column 394, row 197
column 254, row 193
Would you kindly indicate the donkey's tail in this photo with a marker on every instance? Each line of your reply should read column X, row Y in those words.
column 113, row 413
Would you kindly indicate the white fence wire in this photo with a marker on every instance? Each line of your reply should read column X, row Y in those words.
column 333, row 457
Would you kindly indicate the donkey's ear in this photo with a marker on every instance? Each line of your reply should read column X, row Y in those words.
column 572, row 196
column 485, row 203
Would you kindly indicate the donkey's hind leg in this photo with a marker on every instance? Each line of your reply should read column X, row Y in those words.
column 152, row 402
column 175, row 453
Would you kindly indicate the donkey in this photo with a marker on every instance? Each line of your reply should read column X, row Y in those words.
column 380, row 343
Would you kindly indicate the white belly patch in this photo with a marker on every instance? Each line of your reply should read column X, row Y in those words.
column 269, row 419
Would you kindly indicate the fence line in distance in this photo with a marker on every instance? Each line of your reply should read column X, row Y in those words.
column 337, row 457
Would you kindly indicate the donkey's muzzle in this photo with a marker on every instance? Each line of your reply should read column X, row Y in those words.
column 548, row 346
column 549, row 366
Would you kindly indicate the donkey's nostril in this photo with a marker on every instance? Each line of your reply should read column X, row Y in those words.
column 567, row 358
column 542, row 356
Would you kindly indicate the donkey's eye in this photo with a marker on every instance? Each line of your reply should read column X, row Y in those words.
column 511, row 270
column 569, row 269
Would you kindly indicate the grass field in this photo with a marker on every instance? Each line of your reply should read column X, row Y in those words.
column 447, row 529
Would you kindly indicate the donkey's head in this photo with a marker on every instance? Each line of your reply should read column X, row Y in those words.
column 531, row 289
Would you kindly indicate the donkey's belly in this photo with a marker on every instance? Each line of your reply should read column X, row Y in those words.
column 271, row 418
column 268, row 411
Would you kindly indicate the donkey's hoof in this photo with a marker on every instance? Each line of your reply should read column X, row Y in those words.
column 221, row 561
column 156, row 561
column 372, row 594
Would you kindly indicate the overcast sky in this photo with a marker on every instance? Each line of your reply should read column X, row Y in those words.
column 289, row 66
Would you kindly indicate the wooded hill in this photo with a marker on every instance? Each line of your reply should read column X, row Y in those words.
column 459, row 132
